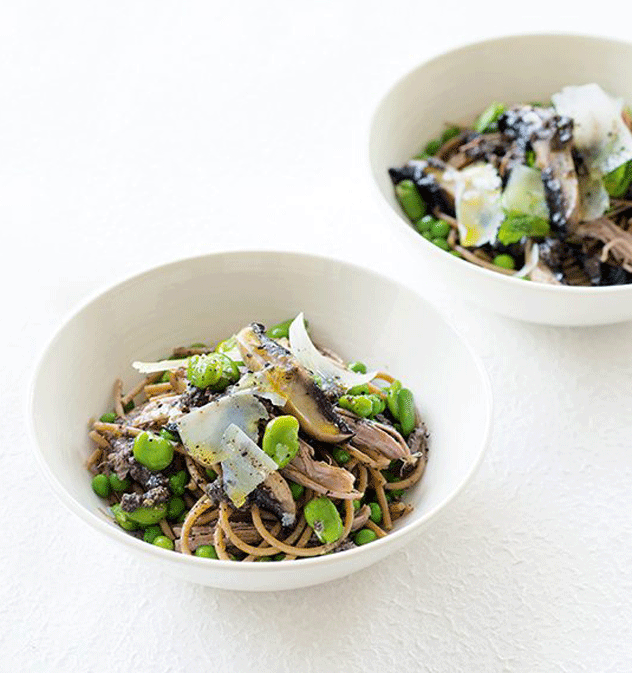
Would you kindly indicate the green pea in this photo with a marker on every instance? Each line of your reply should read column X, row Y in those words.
column 360, row 405
column 151, row 533
column 441, row 243
column 211, row 475
column 391, row 398
column 206, row 551
column 109, row 417
column 505, row 261
column 178, row 481
column 164, row 542
column 410, row 199
column 297, row 490
column 281, row 330
column 406, row 408
column 340, row 455
column 450, row 133
column 362, row 389
column 280, row 439
column 423, row 225
column 356, row 505
column 101, row 485
column 129, row 406
column 321, row 515
column 433, row 146
column 165, row 434
column 439, row 229
column 364, row 536
column 122, row 519
column 175, row 507
column 214, row 370
column 154, row 452
column 358, row 367
column 376, row 512
column 488, row 118
column 146, row 516
column 427, row 235
column 117, row 484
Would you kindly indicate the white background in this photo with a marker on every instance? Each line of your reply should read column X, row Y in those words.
column 132, row 133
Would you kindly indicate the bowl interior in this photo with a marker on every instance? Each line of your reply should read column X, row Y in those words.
column 361, row 315
column 457, row 86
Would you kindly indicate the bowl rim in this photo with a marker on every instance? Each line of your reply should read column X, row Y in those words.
column 512, row 281
column 142, row 547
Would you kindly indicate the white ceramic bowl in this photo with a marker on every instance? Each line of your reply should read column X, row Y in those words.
column 455, row 87
column 358, row 313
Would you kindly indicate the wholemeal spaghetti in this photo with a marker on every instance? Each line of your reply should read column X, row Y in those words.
column 263, row 448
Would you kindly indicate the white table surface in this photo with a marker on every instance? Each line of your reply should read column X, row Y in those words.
column 133, row 133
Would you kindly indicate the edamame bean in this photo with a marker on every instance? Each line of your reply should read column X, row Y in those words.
column 406, row 408
column 441, row 243
column 122, row 519
column 323, row 517
column 439, row 229
column 164, row 542
column 360, row 405
column 488, row 118
column 109, row 417
column 101, row 485
column 423, row 225
column 391, row 398
column 297, row 490
column 151, row 533
column 146, row 516
column 505, row 261
column 340, row 455
column 154, row 452
column 379, row 404
column 175, row 507
column 178, row 481
column 364, row 536
column 206, row 551
column 376, row 512
column 117, row 484
column 281, row 330
column 214, row 370
column 358, row 367
column 362, row 389
column 280, row 439
column 410, row 200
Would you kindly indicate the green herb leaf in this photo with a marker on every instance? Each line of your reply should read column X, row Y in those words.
column 617, row 182
column 516, row 225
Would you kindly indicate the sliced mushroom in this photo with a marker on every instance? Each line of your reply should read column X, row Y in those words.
column 321, row 477
column 274, row 495
column 285, row 376
column 550, row 136
column 373, row 436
